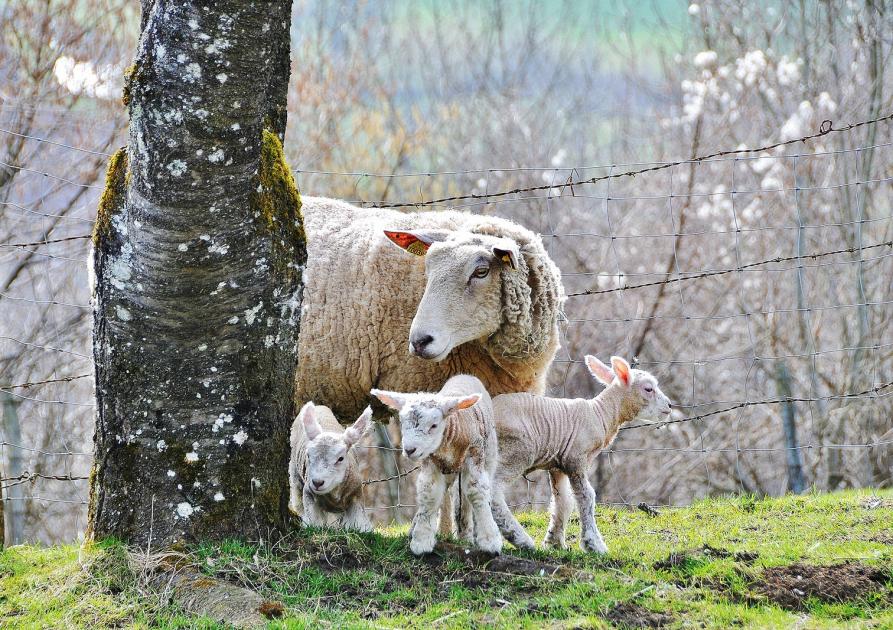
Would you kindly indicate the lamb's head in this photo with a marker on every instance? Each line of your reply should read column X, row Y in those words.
column 640, row 394
column 464, row 290
column 327, row 451
column 423, row 418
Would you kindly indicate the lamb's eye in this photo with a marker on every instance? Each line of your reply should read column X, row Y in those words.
column 481, row 272
column 340, row 459
column 648, row 389
column 433, row 426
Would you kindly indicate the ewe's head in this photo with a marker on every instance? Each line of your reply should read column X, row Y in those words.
column 463, row 298
column 422, row 418
column 327, row 451
column 641, row 395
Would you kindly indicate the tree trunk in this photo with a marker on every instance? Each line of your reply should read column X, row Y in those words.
column 198, row 254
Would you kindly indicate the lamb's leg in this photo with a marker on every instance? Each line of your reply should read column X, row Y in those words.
column 430, row 487
column 509, row 526
column 447, row 522
column 559, row 510
column 477, row 492
column 590, row 539
column 313, row 515
column 465, row 518
column 355, row 518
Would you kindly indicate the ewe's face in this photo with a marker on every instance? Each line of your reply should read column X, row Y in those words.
column 421, row 427
column 463, row 294
column 656, row 405
column 326, row 463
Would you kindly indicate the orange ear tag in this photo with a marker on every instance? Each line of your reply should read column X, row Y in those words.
column 409, row 242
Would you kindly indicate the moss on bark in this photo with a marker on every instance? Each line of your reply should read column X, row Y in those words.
column 276, row 198
column 112, row 199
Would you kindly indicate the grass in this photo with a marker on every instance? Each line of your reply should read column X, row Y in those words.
column 716, row 564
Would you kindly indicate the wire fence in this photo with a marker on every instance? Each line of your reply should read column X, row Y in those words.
column 754, row 282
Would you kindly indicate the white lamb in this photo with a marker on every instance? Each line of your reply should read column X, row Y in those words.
column 323, row 472
column 450, row 432
column 564, row 436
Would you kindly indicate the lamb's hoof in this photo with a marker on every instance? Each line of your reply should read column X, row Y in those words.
column 420, row 548
column 553, row 543
column 594, row 546
column 491, row 547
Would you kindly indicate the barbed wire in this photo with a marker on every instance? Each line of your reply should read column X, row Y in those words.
column 827, row 127
column 47, row 241
column 54, row 143
column 65, row 379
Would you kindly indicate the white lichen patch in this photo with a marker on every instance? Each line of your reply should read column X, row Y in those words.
column 216, row 156
column 123, row 314
column 184, row 510
column 235, row 126
column 176, row 168
column 193, row 24
column 219, row 248
column 251, row 313
column 201, row 114
column 219, row 497
column 191, row 457
column 181, row 58
column 268, row 341
column 233, row 320
column 203, row 347
column 222, row 77
column 182, row 247
column 161, row 445
column 171, row 473
column 193, row 72
column 240, row 437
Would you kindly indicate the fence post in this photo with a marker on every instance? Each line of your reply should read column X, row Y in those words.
column 796, row 483
column 14, row 512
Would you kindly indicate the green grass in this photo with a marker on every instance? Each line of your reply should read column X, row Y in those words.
column 697, row 566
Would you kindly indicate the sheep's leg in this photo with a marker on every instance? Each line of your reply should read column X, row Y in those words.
column 477, row 491
column 430, row 487
column 508, row 525
column 313, row 514
column 295, row 503
column 590, row 539
column 355, row 518
column 559, row 510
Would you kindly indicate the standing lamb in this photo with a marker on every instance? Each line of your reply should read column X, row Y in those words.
column 323, row 473
column 490, row 307
column 450, row 432
column 564, row 436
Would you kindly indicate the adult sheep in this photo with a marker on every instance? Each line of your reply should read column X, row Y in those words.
column 490, row 305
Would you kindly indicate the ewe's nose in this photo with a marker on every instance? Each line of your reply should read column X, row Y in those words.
column 419, row 343
column 409, row 451
column 317, row 483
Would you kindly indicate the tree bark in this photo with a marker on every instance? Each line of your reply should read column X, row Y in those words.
column 198, row 254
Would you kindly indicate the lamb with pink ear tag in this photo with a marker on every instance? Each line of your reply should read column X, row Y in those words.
column 564, row 436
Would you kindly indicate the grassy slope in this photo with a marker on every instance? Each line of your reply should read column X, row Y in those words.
column 362, row 581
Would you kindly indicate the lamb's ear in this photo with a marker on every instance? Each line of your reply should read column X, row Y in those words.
column 621, row 369
column 507, row 251
column 392, row 399
column 417, row 241
column 451, row 405
column 601, row 372
column 307, row 416
column 355, row 432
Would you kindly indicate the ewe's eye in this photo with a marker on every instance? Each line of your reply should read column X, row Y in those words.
column 481, row 272
column 433, row 426
column 340, row 459
column 648, row 389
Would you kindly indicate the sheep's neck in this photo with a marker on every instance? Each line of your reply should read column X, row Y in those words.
column 615, row 408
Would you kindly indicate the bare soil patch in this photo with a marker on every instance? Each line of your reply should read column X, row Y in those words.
column 630, row 615
column 707, row 552
column 791, row 586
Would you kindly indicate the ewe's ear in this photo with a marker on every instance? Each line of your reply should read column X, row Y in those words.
column 308, row 418
column 416, row 242
column 392, row 399
column 451, row 405
column 621, row 369
column 355, row 432
column 599, row 370
column 507, row 251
